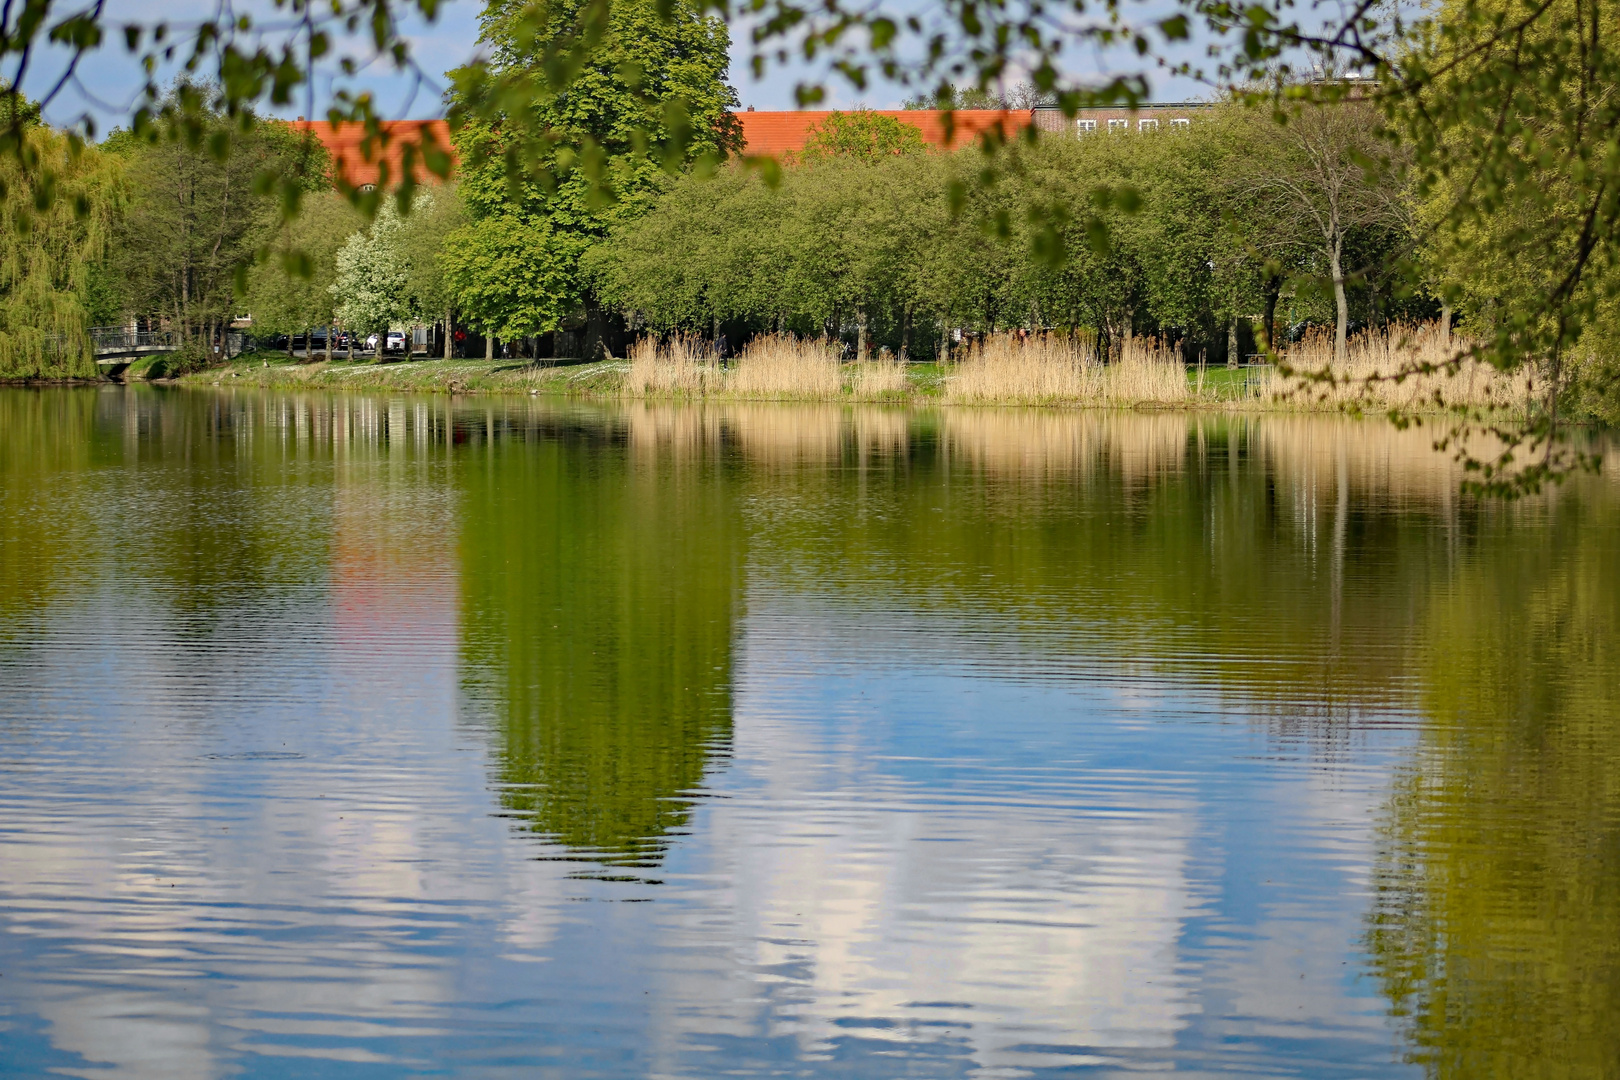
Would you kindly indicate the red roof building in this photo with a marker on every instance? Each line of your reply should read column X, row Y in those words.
column 778, row 134
column 782, row 133
column 350, row 162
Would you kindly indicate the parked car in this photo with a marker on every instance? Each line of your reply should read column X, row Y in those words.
column 395, row 342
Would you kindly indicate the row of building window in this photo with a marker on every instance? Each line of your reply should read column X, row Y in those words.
column 1144, row 124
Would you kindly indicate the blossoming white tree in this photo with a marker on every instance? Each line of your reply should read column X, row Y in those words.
column 374, row 275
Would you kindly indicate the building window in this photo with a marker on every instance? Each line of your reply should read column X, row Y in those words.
column 1147, row 125
column 1181, row 122
column 1119, row 125
column 1085, row 127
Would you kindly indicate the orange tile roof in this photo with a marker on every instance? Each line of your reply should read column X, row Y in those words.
column 349, row 162
column 775, row 133
column 779, row 133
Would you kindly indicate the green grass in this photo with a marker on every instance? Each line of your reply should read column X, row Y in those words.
column 468, row 376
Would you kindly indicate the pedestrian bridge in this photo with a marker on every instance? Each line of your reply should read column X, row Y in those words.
column 116, row 346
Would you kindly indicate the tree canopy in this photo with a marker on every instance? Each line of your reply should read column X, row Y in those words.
column 547, row 170
column 861, row 134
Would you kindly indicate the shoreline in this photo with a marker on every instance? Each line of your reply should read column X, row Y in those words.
column 1244, row 389
column 605, row 380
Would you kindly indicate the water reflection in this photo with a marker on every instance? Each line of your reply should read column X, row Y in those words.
column 337, row 729
column 1496, row 924
column 599, row 588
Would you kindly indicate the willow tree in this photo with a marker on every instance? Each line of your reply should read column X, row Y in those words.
column 46, row 254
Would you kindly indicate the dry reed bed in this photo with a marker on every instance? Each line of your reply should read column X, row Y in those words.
column 1385, row 370
column 1408, row 368
column 773, row 367
column 1054, row 370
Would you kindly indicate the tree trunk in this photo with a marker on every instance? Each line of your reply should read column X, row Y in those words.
column 1341, row 329
column 1273, row 291
column 1232, row 342
column 329, row 344
column 905, row 334
column 860, row 334
column 1445, row 326
column 596, row 327
column 309, row 343
column 489, row 345
column 449, row 333
column 382, row 339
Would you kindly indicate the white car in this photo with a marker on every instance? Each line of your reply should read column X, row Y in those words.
column 394, row 342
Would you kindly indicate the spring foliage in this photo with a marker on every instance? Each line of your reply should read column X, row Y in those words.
column 547, row 171
column 47, row 252
column 1167, row 232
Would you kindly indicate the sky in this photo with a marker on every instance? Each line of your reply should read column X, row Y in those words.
column 108, row 83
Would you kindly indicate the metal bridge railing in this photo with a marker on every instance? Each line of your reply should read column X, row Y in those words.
column 107, row 338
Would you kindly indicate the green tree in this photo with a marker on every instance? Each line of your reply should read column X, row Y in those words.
column 1328, row 173
column 843, row 242
column 423, row 245
column 292, row 289
column 202, row 206
column 862, row 134
column 511, row 274
column 1023, row 95
column 597, row 139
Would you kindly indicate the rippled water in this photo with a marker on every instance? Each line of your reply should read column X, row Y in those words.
column 363, row 736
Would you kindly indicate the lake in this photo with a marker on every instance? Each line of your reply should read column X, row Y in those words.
column 369, row 736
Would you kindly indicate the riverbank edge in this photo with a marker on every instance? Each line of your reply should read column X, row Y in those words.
column 604, row 380
column 1224, row 389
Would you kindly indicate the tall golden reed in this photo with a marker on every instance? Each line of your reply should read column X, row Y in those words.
column 772, row 367
column 682, row 366
column 1383, row 370
column 784, row 366
column 880, row 378
column 1050, row 369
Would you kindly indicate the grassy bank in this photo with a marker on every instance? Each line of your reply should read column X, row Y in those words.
column 472, row 376
column 1043, row 370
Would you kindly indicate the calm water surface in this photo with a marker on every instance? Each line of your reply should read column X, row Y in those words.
column 369, row 736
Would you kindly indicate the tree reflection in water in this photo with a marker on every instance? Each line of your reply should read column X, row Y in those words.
column 599, row 587
column 1496, row 923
